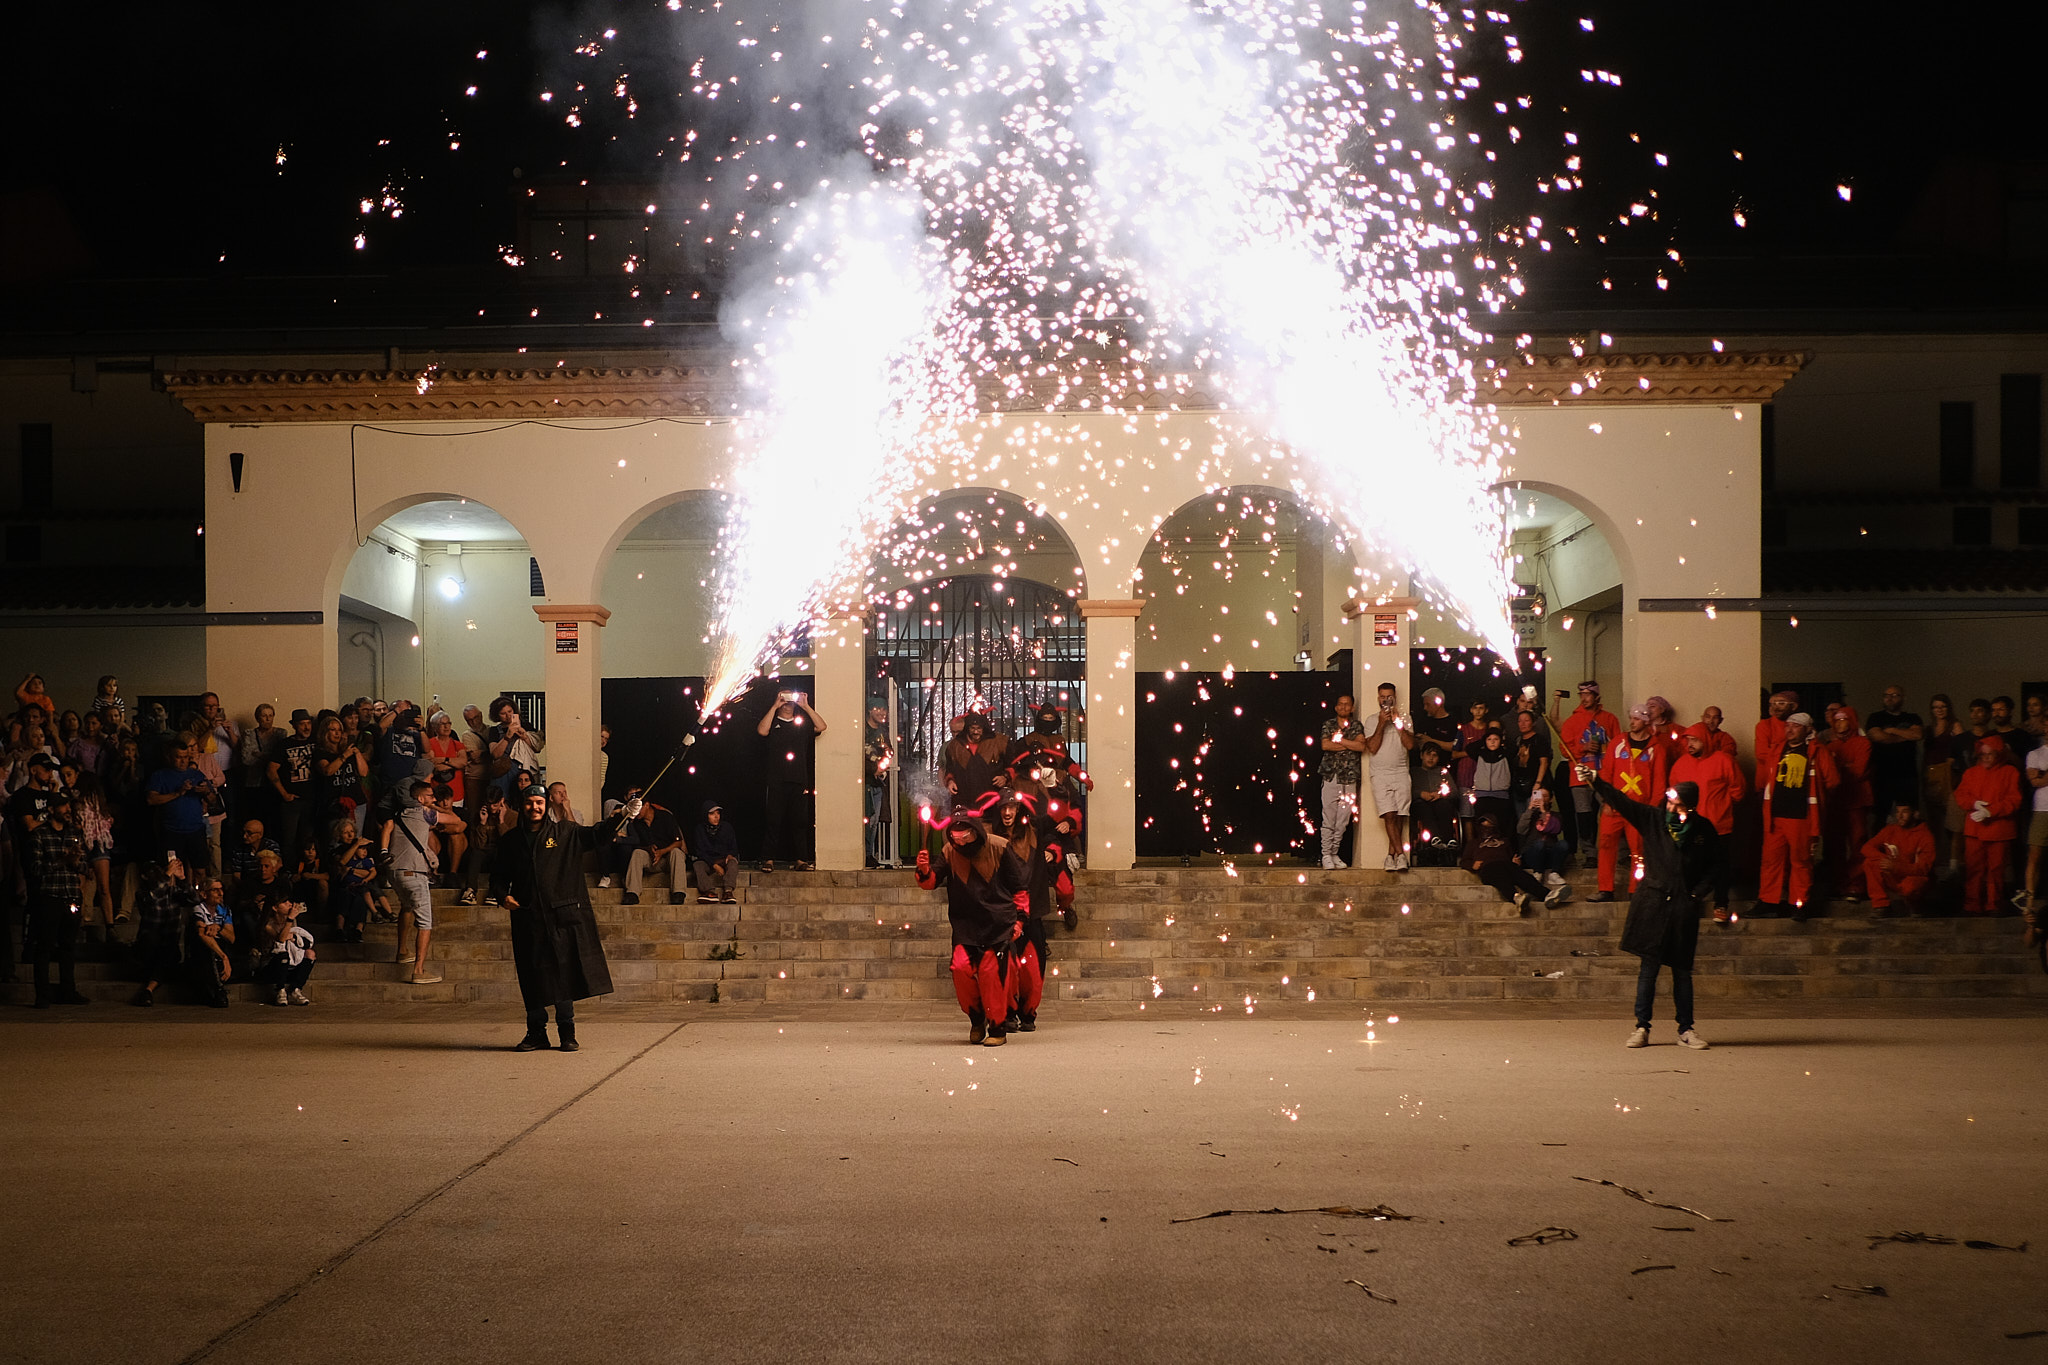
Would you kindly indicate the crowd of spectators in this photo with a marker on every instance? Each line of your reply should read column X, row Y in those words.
column 1912, row 814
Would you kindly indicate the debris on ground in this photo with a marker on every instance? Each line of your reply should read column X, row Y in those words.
column 1587, row 952
column 1646, row 1269
column 1069, row 1160
column 1378, row 1212
column 1543, row 1237
column 2027, row 1336
column 1975, row 1245
column 1638, row 1194
column 1655, row 1228
column 1875, row 1291
column 1372, row 1293
column 1878, row 1239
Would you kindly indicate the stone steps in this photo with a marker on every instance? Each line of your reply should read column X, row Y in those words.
column 1184, row 934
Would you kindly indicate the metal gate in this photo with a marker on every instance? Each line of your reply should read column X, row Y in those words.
column 1000, row 645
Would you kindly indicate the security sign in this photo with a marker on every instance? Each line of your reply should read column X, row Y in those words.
column 1386, row 629
column 565, row 637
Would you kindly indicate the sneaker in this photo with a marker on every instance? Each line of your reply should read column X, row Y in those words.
column 1330, row 864
column 424, row 979
column 490, row 900
column 279, row 998
column 1692, row 1040
column 977, row 1030
column 1559, row 894
column 1027, row 1023
column 630, row 898
column 469, row 896
column 1601, row 897
column 301, row 998
column 604, row 883
column 1721, row 917
column 1388, row 865
column 145, row 997
column 1400, row 862
column 1640, row 1038
column 994, row 1040
column 1552, row 879
column 2021, row 900
column 1527, row 903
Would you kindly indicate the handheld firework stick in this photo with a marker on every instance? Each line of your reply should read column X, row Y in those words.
column 648, row 790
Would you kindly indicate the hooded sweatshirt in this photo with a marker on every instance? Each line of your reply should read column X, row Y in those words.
column 986, row 887
column 714, row 843
column 1851, row 752
column 1721, row 783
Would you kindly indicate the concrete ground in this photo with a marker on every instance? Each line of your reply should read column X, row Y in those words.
column 843, row 1184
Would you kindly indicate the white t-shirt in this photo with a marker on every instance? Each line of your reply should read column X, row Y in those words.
column 2037, row 761
column 1393, row 755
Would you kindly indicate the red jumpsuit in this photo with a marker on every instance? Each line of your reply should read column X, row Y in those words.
column 1636, row 771
column 1797, row 780
column 1770, row 738
column 1911, row 850
column 1722, row 785
column 1848, row 822
column 1987, row 843
column 1720, row 741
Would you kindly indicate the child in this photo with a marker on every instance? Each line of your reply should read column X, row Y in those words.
column 357, row 896
column 212, row 925
column 288, row 961
column 1544, row 851
column 108, row 706
column 309, row 875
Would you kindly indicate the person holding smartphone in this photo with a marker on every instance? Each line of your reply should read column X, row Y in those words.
column 791, row 728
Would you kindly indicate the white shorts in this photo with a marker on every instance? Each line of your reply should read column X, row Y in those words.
column 1390, row 791
column 416, row 893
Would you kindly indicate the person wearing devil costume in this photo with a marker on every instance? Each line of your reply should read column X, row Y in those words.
column 987, row 896
column 1042, row 755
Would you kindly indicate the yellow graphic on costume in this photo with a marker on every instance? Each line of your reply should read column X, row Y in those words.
column 551, row 842
column 1792, row 770
column 1632, row 784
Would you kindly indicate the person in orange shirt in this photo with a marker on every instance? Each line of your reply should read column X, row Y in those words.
column 1989, row 797
column 1898, row 859
column 1633, row 765
column 1722, row 786
column 1588, row 733
column 1770, row 736
column 1848, row 822
column 1717, row 738
column 1795, row 787
column 1664, row 725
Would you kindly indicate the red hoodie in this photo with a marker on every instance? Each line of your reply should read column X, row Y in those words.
column 1720, row 782
column 1998, row 787
column 1851, row 752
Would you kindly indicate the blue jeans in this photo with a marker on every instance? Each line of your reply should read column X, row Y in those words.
column 1646, row 992
column 878, row 850
column 1543, row 854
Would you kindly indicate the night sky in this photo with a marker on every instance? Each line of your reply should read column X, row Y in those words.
column 148, row 141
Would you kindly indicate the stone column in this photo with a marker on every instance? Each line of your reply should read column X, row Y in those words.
column 1112, row 694
column 1379, row 653
column 573, row 678
column 839, row 665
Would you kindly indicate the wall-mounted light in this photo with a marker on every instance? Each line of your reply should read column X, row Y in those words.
column 452, row 582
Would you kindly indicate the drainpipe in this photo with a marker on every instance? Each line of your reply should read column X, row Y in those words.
column 372, row 640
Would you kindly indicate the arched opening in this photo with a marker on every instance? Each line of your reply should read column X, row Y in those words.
column 437, row 603
column 1570, row 593
column 974, row 606
column 660, row 586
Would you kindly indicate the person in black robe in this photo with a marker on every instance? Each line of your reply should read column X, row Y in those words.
column 555, row 947
column 1663, row 925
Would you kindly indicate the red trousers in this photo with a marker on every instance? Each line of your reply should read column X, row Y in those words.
column 1848, row 829
column 1787, row 877
column 1983, row 873
column 1027, row 980
column 1612, row 828
column 1889, row 884
column 981, row 982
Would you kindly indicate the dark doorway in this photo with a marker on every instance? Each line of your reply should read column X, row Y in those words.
column 1227, row 764
column 649, row 718
column 1477, row 675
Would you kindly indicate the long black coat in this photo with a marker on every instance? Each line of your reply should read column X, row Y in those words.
column 555, row 946
column 1664, row 910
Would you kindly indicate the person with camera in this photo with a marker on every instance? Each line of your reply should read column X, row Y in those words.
column 1387, row 749
column 53, row 860
column 164, row 906
column 1342, row 742
column 403, row 845
column 791, row 728
column 538, row 875
column 878, row 757
column 513, row 748
column 181, row 796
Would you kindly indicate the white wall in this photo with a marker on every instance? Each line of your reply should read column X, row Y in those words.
column 662, row 602
column 1964, row 655
column 488, row 640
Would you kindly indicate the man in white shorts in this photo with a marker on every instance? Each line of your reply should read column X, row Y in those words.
column 1386, row 774
column 405, row 841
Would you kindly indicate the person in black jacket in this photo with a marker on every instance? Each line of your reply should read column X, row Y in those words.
column 1030, row 836
column 1663, row 924
column 717, row 851
column 555, row 947
column 987, row 894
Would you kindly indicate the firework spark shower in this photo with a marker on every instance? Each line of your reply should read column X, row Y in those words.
column 1256, row 203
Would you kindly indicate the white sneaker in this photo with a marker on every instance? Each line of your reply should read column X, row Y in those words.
column 1330, row 864
column 1400, row 862
column 1693, row 1040
column 604, row 883
column 1559, row 894
column 300, row 998
column 279, row 998
column 1640, row 1038
column 1388, row 865
column 1553, row 880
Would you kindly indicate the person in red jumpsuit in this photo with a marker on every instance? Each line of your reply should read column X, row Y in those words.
column 1770, row 733
column 1898, row 860
column 1664, row 725
column 1722, row 787
column 1795, row 788
column 1588, row 733
column 987, row 896
column 1989, row 797
column 1634, row 766
column 1848, row 822
column 1717, row 738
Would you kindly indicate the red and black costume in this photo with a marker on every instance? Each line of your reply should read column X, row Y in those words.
column 986, row 897
column 1635, row 768
column 1795, row 784
column 1030, row 837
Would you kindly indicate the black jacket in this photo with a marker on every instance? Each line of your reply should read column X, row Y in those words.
column 714, row 845
column 555, row 946
column 1664, row 910
column 983, row 910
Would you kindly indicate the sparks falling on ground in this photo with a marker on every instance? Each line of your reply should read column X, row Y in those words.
column 1130, row 209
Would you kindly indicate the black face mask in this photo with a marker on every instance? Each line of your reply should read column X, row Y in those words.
column 1048, row 722
column 976, row 838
